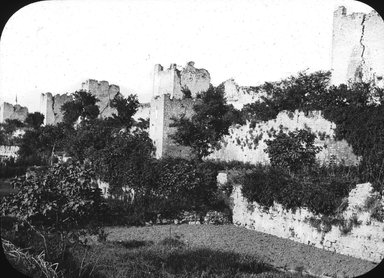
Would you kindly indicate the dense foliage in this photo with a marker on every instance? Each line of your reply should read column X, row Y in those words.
column 63, row 197
column 303, row 92
column 294, row 151
column 83, row 106
column 210, row 122
column 320, row 190
column 355, row 108
column 153, row 189
column 34, row 120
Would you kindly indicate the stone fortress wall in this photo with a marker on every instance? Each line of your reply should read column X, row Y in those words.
column 364, row 241
column 357, row 47
column 168, row 101
column 247, row 144
column 105, row 92
column 50, row 105
column 13, row 112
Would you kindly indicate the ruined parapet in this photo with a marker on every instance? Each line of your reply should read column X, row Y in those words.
column 167, row 82
column 357, row 47
column 50, row 107
column 194, row 79
column 175, row 79
column 162, row 110
column 238, row 96
column 12, row 112
column 105, row 92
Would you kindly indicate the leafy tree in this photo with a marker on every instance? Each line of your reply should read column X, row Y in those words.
column 63, row 198
column 210, row 122
column 123, row 162
column 293, row 151
column 303, row 92
column 11, row 125
column 34, row 120
column 126, row 108
column 83, row 105
column 38, row 145
column 88, row 137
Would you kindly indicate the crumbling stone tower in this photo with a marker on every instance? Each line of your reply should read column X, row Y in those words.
column 168, row 101
column 50, row 106
column 357, row 47
column 12, row 112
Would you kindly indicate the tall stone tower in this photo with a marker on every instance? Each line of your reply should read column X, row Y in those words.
column 168, row 101
column 357, row 47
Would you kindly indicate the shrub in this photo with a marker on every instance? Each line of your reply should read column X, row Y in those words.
column 293, row 151
column 319, row 193
column 64, row 196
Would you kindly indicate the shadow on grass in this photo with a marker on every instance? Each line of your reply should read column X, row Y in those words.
column 168, row 258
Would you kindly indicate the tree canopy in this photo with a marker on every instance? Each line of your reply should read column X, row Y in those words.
column 210, row 122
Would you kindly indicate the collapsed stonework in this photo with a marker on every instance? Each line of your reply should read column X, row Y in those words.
column 105, row 92
column 238, row 96
column 175, row 79
column 357, row 47
column 12, row 112
column 50, row 105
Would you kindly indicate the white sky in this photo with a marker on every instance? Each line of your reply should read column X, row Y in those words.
column 54, row 46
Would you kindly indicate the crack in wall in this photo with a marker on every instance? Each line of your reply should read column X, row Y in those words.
column 361, row 39
column 53, row 106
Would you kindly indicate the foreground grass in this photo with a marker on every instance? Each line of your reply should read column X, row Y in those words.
column 277, row 252
column 170, row 257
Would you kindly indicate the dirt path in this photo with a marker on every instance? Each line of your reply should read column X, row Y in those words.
column 281, row 253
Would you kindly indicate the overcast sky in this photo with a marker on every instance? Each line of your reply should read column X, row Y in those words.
column 54, row 46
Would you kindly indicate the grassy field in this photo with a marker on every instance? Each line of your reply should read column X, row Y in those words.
column 229, row 239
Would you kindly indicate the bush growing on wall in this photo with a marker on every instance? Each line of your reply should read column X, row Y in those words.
column 294, row 151
column 319, row 192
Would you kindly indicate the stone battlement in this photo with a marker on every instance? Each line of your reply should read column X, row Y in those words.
column 12, row 112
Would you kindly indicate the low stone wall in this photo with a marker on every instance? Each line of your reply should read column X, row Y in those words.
column 364, row 241
column 8, row 151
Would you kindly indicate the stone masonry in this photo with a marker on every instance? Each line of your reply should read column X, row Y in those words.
column 357, row 47
column 13, row 112
column 50, row 106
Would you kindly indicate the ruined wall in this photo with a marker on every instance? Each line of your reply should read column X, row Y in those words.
column 167, row 82
column 357, row 47
column 238, row 96
column 12, row 112
column 50, row 107
column 105, row 92
column 247, row 144
column 172, row 80
column 365, row 241
column 196, row 80
column 163, row 109
column 8, row 151
column 143, row 111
